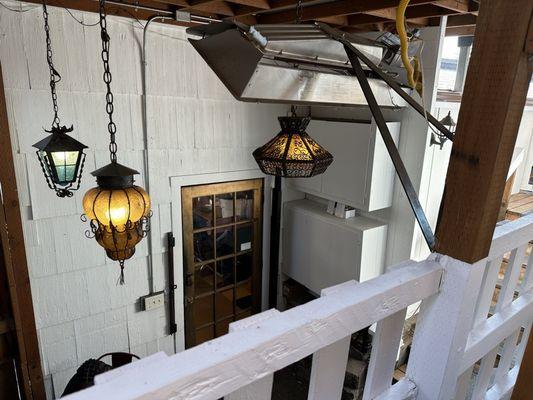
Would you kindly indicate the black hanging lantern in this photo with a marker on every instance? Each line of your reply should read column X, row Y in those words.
column 61, row 156
column 293, row 153
column 118, row 210
column 438, row 137
column 62, row 159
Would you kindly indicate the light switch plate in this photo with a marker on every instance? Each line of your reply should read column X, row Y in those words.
column 153, row 301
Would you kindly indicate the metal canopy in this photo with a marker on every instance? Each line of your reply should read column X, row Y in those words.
column 296, row 64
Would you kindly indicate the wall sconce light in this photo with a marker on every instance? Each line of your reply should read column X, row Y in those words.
column 438, row 137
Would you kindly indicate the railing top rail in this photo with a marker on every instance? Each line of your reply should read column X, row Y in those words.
column 223, row 365
column 511, row 235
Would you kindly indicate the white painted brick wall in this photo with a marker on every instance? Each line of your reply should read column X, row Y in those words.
column 194, row 127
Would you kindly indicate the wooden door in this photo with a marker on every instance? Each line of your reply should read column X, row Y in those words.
column 222, row 247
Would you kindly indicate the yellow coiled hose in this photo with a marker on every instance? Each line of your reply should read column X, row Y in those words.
column 414, row 75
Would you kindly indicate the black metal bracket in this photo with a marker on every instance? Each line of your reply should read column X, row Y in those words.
column 350, row 48
column 407, row 185
column 171, row 242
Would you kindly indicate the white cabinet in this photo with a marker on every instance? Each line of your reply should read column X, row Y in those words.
column 320, row 250
column 362, row 173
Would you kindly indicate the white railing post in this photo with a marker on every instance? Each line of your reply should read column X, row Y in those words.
column 442, row 330
column 329, row 363
column 261, row 389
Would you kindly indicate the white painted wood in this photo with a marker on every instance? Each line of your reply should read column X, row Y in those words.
column 488, row 286
column 509, row 236
column 486, row 370
column 329, row 363
column 503, row 389
column 510, row 280
column 401, row 390
column 491, row 332
column 509, row 347
column 385, row 345
column 313, row 239
column 228, row 363
column 439, row 342
column 362, row 174
column 260, row 389
column 527, row 283
column 328, row 371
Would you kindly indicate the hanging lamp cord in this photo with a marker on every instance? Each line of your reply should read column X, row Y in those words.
column 111, row 127
column 54, row 75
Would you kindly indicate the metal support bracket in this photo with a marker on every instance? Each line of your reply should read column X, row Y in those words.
column 407, row 185
column 350, row 48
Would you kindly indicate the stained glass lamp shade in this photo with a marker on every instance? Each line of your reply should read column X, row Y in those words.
column 293, row 153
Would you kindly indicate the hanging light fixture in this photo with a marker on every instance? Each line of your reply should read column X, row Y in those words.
column 61, row 156
column 118, row 210
column 438, row 137
column 292, row 153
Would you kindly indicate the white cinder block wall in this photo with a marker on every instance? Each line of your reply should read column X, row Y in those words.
column 194, row 127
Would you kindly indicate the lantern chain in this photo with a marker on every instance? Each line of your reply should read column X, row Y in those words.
column 299, row 11
column 54, row 75
column 111, row 127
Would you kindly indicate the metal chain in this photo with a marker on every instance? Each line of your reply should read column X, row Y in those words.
column 111, row 127
column 299, row 11
column 54, row 75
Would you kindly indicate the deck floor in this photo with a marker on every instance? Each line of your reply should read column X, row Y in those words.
column 520, row 204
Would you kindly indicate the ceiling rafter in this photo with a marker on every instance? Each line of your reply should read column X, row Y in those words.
column 350, row 15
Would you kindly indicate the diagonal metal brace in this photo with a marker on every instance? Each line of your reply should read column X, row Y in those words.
column 339, row 36
column 407, row 185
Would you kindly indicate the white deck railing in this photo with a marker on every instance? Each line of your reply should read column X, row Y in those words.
column 453, row 332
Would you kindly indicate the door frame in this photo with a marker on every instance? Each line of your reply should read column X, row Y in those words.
column 176, row 183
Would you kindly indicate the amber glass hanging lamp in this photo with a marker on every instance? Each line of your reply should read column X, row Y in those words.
column 291, row 154
column 118, row 210
column 61, row 156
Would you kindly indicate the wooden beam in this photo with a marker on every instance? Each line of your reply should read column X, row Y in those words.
column 342, row 7
column 459, row 6
column 461, row 31
column 14, row 251
column 524, row 384
column 492, row 105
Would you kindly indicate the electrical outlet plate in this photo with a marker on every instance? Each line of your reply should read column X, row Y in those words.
column 152, row 301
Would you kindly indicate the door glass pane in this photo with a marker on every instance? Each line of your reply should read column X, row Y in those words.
column 243, row 296
column 224, row 241
column 202, row 212
column 203, row 310
column 205, row 334
column 244, row 205
column 224, row 208
column 225, row 272
column 223, row 327
column 204, row 279
column 203, row 246
column 244, row 238
column 244, row 267
column 224, row 306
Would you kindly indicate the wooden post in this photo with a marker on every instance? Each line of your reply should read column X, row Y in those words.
column 491, row 109
column 17, row 269
column 524, row 387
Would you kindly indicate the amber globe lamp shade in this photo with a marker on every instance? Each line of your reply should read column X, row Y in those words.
column 118, row 211
column 293, row 153
column 61, row 158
